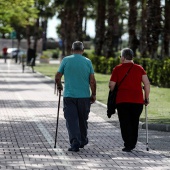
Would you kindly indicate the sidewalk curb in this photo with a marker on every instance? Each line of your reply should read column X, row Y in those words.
column 158, row 127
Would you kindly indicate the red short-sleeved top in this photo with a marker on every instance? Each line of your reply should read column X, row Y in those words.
column 130, row 90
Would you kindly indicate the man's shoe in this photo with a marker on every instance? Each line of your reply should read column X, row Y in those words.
column 73, row 149
column 126, row 150
column 81, row 146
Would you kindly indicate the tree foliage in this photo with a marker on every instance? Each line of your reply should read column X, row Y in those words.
column 146, row 22
column 26, row 18
column 16, row 13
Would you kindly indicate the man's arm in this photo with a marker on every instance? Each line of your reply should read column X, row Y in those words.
column 93, row 88
column 58, row 81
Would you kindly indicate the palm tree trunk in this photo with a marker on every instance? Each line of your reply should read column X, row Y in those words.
column 167, row 28
column 85, row 25
column 153, row 26
column 36, row 33
column 143, row 44
column 28, row 36
column 110, row 29
column 44, row 35
column 79, row 19
column 62, row 31
column 132, row 21
column 69, row 29
column 100, row 26
column 74, row 13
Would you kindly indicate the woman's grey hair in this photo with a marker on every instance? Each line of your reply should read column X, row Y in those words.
column 127, row 53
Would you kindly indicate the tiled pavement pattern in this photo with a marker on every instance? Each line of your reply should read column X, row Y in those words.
column 28, row 109
column 158, row 140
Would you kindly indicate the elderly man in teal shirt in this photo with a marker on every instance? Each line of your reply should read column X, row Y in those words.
column 79, row 94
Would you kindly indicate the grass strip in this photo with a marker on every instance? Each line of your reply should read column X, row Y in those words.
column 158, row 109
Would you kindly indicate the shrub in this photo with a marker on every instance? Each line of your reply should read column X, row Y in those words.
column 56, row 54
column 157, row 70
column 164, row 77
column 44, row 56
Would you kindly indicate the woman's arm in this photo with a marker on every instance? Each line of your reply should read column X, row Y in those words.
column 146, row 83
column 112, row 85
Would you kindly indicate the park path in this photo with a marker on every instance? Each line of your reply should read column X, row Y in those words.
column 28, row 109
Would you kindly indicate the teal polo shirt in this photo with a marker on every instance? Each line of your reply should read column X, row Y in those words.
column 76, row 70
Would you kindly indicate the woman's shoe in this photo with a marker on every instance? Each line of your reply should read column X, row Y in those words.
column 126, row 150
column 82, row 145
column 73, row 149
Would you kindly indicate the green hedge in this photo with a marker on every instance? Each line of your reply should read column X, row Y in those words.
column 158, row 71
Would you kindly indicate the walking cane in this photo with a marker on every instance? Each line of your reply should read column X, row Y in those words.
column 57, row 116
column 146, row 119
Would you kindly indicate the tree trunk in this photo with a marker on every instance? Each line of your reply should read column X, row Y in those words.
column 28, row 36
column 133, row 41
column 36, row 33
column 74, row 13
column 153, row 26
column 113, row 29
column 63, row 23
column 116, row 31
column 108, row 48
column 167, row 28
column 85, row 25
column 100, row 26
column 143, row 39
column 79, row 20
column 44, row 35
column 69, row 29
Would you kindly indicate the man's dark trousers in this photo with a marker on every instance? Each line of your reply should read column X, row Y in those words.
column 76, row 112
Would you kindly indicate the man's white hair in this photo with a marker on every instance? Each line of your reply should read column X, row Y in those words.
column 77, row 45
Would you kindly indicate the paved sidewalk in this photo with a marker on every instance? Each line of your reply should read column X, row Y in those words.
column 28, row 109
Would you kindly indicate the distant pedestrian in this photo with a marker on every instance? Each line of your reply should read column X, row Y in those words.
column 4, row 50
column 130, row 98
column 78, row 80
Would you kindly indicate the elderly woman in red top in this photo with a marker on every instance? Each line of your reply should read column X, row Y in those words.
column 130, row 98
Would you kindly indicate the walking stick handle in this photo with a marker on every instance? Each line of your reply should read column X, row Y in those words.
column 55, row 88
